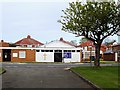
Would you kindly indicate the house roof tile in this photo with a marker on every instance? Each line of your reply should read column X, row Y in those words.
column 28, row 41
column 90, row 43
column 66, row 42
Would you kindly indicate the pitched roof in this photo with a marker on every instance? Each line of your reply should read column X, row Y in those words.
column 108, row 51
column 28, row 41
column 66, row 42
column 90, row 43
column 87, row 43
column 58, row 44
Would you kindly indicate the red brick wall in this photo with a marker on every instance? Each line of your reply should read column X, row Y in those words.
column 30, row 55
column 0, row 55
column 3, row 44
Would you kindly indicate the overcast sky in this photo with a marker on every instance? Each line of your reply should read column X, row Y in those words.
column 38, row 19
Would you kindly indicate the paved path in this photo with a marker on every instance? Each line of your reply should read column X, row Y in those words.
column 22, row 76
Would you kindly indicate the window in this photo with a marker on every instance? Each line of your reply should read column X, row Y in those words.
column 78, row 50
column 93, row 53
column 51, row 50
column 22, row 54
column 73, row 50
column 29, row 46
column 15, row 54
column 85, row 48
column 37, row 50
column 46, row 50
column 67, row 50
column 22, row 45
column 87, row 55
column 58, row 50
column 42, row 50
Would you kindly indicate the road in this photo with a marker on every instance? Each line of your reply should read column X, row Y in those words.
column 41, row 76
column 60, row 65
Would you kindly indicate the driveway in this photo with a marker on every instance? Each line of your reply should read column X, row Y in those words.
column 41, row 76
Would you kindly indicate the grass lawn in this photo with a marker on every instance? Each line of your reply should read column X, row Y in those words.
column 2, row 70
column 104, row 77
column 104, row 62
column 109, row 62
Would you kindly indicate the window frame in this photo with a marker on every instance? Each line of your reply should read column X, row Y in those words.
column 22, row 54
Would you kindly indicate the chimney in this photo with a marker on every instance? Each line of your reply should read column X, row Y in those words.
column 28, row 36
column 2, row 40
column 61, row 39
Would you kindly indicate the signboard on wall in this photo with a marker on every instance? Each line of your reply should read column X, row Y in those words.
column 67, row 54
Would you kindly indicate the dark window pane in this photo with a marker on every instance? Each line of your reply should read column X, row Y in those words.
column 78, row 50
column 51, row 50
column 42, row 50
column 37, row 50
column 73, row 50
column 58, row 50
column 65, row 50
column 69, row 50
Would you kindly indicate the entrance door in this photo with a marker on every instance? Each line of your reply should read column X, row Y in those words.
column 6, row 55
column 58, row 56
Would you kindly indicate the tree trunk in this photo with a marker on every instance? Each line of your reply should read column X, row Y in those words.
column 97, row 55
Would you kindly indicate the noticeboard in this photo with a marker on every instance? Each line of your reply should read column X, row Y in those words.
column 67, row 54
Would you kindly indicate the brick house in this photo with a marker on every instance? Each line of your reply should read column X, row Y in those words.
column 3, row 44
column 89, row 49
column 109, row 55
column 28, row 42
column 14, row 54
column 114, row 54
column 54, row 51
column 116, row 49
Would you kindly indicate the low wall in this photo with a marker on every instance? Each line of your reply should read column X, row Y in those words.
column 109, row 57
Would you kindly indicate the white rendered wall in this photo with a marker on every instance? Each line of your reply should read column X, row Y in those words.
column 44, row 57
column 116, row 57
column 49, row 57
column 75, row 57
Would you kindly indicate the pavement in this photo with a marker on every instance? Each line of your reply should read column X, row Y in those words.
column 41, row 76
column 60, row 65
